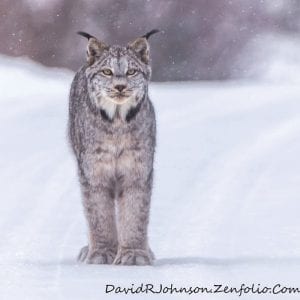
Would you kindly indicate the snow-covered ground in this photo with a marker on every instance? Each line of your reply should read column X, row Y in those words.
column 225, row 207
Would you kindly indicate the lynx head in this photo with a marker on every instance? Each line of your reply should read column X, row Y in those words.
column 117, row 77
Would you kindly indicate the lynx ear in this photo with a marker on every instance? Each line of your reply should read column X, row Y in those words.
column 141, row 46
column 94, row 48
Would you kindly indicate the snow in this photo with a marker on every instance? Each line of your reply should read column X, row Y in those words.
column 225, row 206
column 270, row 57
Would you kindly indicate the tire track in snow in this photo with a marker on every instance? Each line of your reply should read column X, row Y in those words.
column 25, row 238
column 28, row 247
column 24, row 176
column 220, row 187
column 219, row 177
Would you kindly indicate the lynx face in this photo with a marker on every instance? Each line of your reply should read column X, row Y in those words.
column 117, row 76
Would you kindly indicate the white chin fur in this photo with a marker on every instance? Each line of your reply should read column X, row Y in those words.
column 109, row 105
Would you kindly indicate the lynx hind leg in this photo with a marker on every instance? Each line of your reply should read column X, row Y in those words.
column 81, row 257
column 152, row 255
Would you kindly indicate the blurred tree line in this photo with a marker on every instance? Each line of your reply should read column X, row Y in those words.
column 200, row 39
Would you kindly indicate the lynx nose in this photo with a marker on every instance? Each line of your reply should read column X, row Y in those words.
column 120, row 87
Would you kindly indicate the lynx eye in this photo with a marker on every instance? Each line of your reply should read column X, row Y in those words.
column 107, row 72
column 131, row 72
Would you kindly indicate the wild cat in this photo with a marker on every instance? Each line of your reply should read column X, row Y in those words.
column 112, row 131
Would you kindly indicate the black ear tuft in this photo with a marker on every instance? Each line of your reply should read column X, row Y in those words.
column 86, row 35
column 95, row 48
column 148, row 34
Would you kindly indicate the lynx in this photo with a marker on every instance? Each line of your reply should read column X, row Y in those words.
column 112, row 131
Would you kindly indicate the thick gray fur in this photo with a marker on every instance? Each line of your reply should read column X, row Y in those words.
column 112, row 132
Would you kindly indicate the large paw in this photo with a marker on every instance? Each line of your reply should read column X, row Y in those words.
column 101, row 256
column 97, row 256
column 138, row 257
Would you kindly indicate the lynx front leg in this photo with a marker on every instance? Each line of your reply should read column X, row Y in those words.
column 100, row 214
column 133, row 216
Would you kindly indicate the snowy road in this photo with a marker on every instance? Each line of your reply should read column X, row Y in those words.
column 225, row 206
